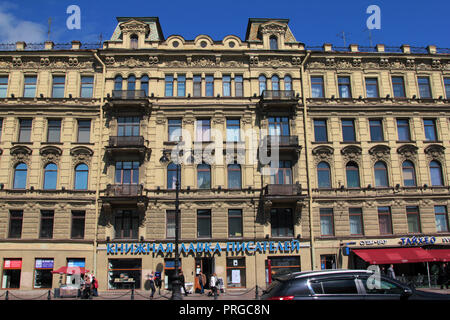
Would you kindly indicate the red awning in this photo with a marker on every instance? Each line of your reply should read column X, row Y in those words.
column 394, row 255
column 440, row 254
column 71, row 270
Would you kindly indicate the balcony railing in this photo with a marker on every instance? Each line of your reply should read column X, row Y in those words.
column 283, row 189
column 278, row 95
column 282, row 141
column 124, row 190
column 126, row 141
column 128, row 94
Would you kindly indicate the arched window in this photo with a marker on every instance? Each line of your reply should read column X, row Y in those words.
column 118, row 83
column 234, row 176
column 381, row 178
column 409, row 174
column 275, row 83
column 262, row 84
column 287, row 83
column 324, row 175
column 20, row 176
column 204, row 176
column 273, row 43
column 436, row 173
column 134, row 39
column 131, row 83
column 50, row 176
column 352, row 172
column 144, row 84
column 81, row 177
column 172, row 175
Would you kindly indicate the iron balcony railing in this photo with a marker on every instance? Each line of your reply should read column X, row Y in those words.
column 282, row 141
column 124, row 190
column 126, row 141
column 278, row 95
column 128, row 94
column 283, row 189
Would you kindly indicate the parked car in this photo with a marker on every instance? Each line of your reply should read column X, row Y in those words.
column 343, row 285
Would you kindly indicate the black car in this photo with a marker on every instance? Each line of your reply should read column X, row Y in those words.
column 343, row 285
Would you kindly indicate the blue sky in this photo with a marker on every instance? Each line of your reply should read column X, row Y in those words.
column 418, row 23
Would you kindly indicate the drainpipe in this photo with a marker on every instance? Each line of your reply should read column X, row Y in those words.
column 308, row 171
column 99, row 160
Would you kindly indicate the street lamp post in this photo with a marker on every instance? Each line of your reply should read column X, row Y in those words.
column 176, row 285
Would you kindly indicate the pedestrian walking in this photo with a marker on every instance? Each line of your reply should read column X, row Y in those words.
column 94, row 287
column 443, row 277
column 391, row 272
column 158, row 281
column 182, row 281
column 213, row 285
column 202, row 282
column 151, row 279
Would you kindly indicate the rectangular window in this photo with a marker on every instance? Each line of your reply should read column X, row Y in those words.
column 279, row 126
column 384, row 219
column 84, row 131
column 204, row 223
column 233, row 130
column 15, row 224
column 46, row 228
column 175, row 127
column 58, row 86
column 430, row 129
column 376, row 130
column 239, row 86
column 126, row 224
column 447, row 87
column 226, row 84
column 320, row 130
column 404, row 133
column 54, row 130
column 344, row 87
column 398, row 86
column 372, row 87
column 43, row 276
column 209, row 86
column 128, row 126
column 127, row 172
column 181, row 85
column 236, row 274
column 3, row 86
column 348, row 130
column 441, row 218
column 326, row 222
column 282, row 173
column 281, row 222
column 122, row 271
column 203, row 130
column 317, row 88
column 170, row 224
column 327, row 261
column 356, row 221
column 169, row 86
column 424, row 87
column 78, row 224
column 87, row 87
column 197, row 85
column 412, row 214
column 235, row 228
column 25, row 130
column 29, row 90
column 11, row 273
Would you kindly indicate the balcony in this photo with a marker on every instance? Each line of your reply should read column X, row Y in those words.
column 289, row 195
column 134, row 146
column 283, row 190
column 126, row 101
column 130, row 195
column 284, row 144
column 278, row 100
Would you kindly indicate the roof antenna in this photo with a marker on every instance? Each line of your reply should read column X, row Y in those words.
column 49, row 28
column 342, row 36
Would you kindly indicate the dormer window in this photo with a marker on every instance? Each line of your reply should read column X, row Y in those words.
column 273, row 41
column 134, row 41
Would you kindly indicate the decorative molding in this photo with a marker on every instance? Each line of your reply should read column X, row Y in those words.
column 380, row 152
column 407, row 152
column 352, row 153
column 435, row 152
column 323, row 153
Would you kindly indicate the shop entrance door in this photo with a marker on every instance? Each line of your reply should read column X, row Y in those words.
column 206, row 266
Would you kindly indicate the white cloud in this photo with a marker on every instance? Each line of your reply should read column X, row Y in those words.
column 14, row 29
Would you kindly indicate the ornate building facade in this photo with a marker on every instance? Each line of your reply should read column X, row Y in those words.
column 315, row 150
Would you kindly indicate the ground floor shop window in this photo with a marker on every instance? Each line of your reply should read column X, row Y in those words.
column 11, row 273
column 236, row 277
column 169, row 272
column 124, row 273
column 74, row 263
column 43, row 276
column 283, row 264
column 328, row 261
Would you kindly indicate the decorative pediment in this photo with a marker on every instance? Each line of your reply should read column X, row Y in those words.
column 380, row 152
column 323, row 153
column 134, row 26
column 273, row 27
column 435, row 152
column 21, row 150
column 44, row 151
column 351, row 153
column 407, row 151
column 81, row 150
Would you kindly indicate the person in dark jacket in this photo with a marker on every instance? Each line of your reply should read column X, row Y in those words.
column 443, row 277
column 182, row 280
column 151, row 280
column 158, row 281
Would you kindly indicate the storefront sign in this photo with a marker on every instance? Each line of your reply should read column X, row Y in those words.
column 44, row 263
column 200, row 247
column 445, row 240
column 372, row 242
column 415, row 241
column 12, row 264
